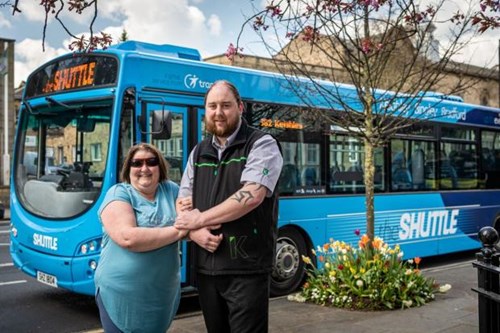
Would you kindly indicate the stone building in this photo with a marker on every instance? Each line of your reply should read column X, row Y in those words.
column 482, row 87
column 476, row 85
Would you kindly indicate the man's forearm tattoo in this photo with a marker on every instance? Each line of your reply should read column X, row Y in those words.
column 245, row 196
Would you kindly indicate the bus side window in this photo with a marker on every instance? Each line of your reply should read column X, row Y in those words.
column 493, row 172
column 288, row 179
column 488, row 159
column 356, row 175
column 401, row 177
column 448, row 174
column 417, row 169
column 497, row 160
column 334, row 170
column 309, row 176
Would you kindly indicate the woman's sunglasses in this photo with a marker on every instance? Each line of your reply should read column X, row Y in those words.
column 139, row 162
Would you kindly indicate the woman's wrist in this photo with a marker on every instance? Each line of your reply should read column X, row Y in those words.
column 183, row 234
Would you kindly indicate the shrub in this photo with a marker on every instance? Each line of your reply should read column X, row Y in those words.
column 372, row 278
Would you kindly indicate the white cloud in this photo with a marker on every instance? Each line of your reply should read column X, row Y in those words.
column 474, row 51
column 4, row 23
column 480, row 49
column 154, row 21
column 208, row 26
column 32, row 11
column 171, row 22
column 26, row 60
column 215, row 25
column 174, row 24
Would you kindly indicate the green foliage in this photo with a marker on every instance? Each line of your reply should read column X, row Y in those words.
column 368, row 277
column 124, row 36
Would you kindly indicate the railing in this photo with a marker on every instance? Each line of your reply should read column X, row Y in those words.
column 488, row 286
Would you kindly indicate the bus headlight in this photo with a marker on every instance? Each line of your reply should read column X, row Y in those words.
column 89, row 247
column 92, row 265
column 13, row 230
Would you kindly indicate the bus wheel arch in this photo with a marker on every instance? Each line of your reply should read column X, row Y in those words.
column 289, row 268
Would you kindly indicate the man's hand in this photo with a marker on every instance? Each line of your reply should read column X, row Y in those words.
column 204, row 238
column 189, row 220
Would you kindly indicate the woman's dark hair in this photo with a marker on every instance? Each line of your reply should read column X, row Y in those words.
column 125, row 172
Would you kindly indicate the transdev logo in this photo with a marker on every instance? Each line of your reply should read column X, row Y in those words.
column 191, row 81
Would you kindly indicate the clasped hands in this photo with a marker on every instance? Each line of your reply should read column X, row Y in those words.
column 191, row 219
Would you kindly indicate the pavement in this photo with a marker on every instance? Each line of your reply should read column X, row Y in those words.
column 455, row 311
column 452, row 312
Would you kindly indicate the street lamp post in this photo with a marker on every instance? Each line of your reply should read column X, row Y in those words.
column 6, row 155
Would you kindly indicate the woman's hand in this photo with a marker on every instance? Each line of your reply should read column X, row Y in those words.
column 184, row 204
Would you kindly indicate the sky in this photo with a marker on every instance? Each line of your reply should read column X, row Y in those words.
column 206, row 25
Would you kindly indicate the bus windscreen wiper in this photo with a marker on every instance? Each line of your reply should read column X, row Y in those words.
column 66, row 106
column 28, row 107
column 80, row 107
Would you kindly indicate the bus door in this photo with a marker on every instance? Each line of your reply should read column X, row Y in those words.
column 175, row 146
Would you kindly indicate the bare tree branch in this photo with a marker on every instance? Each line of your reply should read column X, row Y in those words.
column 55, row 8
column 383, row 48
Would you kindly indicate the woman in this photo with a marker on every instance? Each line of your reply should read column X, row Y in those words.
column 138, row 278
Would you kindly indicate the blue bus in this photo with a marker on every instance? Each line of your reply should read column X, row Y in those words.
column 436, row 182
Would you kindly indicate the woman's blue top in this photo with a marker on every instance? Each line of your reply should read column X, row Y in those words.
column 141, row 290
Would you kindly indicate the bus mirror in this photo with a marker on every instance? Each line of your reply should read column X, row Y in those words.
column 161, row 125
column 85, row 125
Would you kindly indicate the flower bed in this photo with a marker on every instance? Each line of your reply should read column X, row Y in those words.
column 367, row 277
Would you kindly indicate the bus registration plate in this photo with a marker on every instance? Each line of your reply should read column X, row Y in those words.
column 51, row 280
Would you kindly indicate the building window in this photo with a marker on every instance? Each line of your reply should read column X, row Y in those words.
column 485, row 97
column 95, row 151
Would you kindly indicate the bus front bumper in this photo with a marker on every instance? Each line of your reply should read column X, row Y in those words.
column 73, row 273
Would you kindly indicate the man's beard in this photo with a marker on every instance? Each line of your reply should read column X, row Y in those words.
column 222, row 132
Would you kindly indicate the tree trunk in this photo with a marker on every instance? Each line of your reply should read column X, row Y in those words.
column 370, row 189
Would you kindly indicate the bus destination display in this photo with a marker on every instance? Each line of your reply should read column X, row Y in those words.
column 71, row 78
column 76, row 72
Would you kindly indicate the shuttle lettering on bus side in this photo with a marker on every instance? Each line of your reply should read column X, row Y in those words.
column 45, row 241
column 428, row 224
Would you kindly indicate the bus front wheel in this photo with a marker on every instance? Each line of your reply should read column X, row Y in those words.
column 289, row 271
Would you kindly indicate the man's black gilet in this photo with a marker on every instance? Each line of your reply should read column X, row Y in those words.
column 248, row 245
